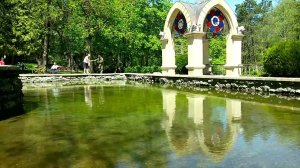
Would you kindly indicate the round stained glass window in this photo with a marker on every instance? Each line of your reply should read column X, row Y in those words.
column 215, row 21
column 180, row 24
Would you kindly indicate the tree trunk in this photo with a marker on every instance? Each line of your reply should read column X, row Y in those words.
column 44, row 59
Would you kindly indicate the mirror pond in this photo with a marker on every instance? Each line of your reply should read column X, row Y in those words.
column 123, row 125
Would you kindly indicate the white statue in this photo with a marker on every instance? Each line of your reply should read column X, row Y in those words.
column 162, row 35
column 240, row 29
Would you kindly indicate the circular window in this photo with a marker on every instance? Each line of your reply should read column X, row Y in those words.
column 180, row 24
column 215, row 21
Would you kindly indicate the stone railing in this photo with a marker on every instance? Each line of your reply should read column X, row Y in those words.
column 11, row 96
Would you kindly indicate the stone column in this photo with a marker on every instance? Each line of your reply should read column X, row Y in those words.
column 233, row 55
column 168, row 57
column 196, row 109
column 206, row 62
column 195, row 53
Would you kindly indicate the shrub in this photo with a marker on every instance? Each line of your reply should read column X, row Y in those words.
column 30, row 66
column 181, row 62
column 129, row 69
column 283, row 59
column 143, row 69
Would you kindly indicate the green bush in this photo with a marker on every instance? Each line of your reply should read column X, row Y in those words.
column 283, row 59
column 30, row 66
column 181, row 62
column 128, row 70
column 143, row 69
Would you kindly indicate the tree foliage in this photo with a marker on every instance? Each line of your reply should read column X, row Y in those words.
column 125, row 33
column 283, row 59
column 266, row 26
column 217, row 49
column 181, row 51
column 250, row 14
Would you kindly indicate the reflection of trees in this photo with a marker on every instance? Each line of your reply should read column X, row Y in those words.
column 73, row 138
column 125, row 131
column 179, row 138
column 265, row 120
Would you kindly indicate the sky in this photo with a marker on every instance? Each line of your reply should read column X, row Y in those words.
column 231, row 3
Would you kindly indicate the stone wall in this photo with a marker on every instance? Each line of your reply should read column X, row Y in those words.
column 46, row 80
column 242, row 84
column 289, row 86
column 11, row 96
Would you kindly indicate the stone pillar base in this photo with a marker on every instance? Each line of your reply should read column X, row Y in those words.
column 195, row 71
column 233, row 70
column 168, row 70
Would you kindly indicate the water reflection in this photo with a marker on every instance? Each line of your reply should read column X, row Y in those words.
column 214, row 131
column 88, row 96
column 148, row 127
column 55, row 92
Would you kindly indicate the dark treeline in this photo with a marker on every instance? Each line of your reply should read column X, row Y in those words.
column 125, row 33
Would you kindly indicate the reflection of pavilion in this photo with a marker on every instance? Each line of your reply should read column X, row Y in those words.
column 212, row 130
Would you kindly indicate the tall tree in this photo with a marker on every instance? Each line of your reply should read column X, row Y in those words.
column 250, row 15
column 6, row 19
column 282, row 23
column 124, row 32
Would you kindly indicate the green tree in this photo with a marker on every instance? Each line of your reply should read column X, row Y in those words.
column 282, row 23
column 6, row 19
column 181, row 51
column 217, row 49
column 283, row 59
column 124, row 32
column 250, row 15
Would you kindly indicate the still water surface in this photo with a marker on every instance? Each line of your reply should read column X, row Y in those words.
column 141, row 126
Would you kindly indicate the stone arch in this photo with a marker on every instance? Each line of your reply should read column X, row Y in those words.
column 167, row 38
column 187, row 11
column 225, row 9
column 195, row 15
column 233, row 38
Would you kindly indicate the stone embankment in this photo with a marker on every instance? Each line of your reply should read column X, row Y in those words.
column 45, row 80
column 11, row 96
column 242, row 84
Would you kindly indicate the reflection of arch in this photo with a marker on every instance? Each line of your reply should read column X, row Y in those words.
column 219, row 151
column 214, row 140
column 217, row 139
column 195, row 15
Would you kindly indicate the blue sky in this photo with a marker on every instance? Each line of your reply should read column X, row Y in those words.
column 232, row 3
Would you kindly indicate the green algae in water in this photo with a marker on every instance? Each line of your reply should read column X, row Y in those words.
column 129, row 126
